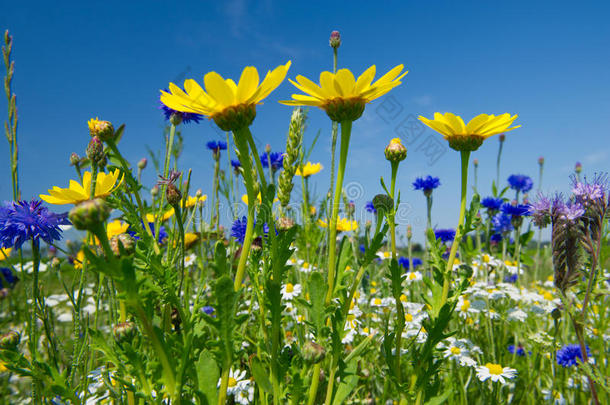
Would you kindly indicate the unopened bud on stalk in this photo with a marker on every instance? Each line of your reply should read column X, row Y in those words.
column 395, row 151
column 74, row 159
column 124, row 242
column 154, row 192
column 476, row 162
column 335, row 39
column 502, row 137
column 541, row 160
column 142, row 164
column 102, row 129
column 124, row 332
column 55, row 262
column 284, row 223
column 175, row 119
column 556, row 313
column 10, row 340
column 173, row 195
column 267, row 148
column 198, row 194
column 89, row 214
column 383, row 203
column 578, row 167
column 313, row 353
column 95, row 150
column 409, row 232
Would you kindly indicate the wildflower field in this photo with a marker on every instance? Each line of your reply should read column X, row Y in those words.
column 157, row 300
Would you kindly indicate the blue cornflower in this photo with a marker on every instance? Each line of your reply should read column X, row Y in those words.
column 162, row 232
column 404, row 262
column 491, row 203
column 216, row 146
column 567, row 355
column 369, row 207
column 520, row 182
column 496, row 238
column 185, row 117
column 236, row 164
column 427, row 184
column 208, row 310
column 501, row 224
column 277, row 160
column 362, row 248
column 512, row 278
column 21, row 221
column 7, row 278
column 238, row 229
column 445, row 235
column 520, row 350
column 517, row 210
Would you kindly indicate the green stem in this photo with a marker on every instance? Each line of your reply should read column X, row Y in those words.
column 215, row 215
column 93, row 180
column 346, row 129
column 497, row 164
column 257, row 160
column 465, row 155
column 240, row 139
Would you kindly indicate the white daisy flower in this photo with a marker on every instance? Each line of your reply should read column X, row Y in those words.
column 413, row 276
column 235, row 377
column 516, row 314
column 290, row 291
column 384, row 255
column 496, row 372
column 190, row 260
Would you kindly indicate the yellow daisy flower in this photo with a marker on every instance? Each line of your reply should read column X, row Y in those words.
column 341, row 95
column 232, row 106
column 79, row 259
column 309, row 169
column 114, row 228
column 190, row 202
column 106, row 183
column 469, row 137
column 343, row 224
column 244, row 198
column 5, row 253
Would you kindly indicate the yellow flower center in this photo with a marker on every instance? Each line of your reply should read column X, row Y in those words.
column 396, row 140
column 232, row 382
column 365, row 330
column 373, row 290
column 409, row 318
column 548, row 296
column 403, row 298
column 377, row 301
column 455, row 350
column 465, row 306
column 412, row 276
column 305, row 265
column 485, row 258
column 495, row 369
column 374, row 283
column 289, row 288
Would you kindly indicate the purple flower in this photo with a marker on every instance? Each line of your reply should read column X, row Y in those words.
column 236, row 164
column 540, row 210
column 445, row 235
column 491, row 203
column 426, row 184
column 589, row 194
column 238, row 229
column 209, row 310
column 22, row 221
column 567, row 355
column 160, row 238
column 496, row 238
column 512, row 278
column 520, row 182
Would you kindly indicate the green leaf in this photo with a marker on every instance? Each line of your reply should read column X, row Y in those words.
column 220, row 259
column 440, row 399
column 317, row 294
column 260, row 374
column 208, row 374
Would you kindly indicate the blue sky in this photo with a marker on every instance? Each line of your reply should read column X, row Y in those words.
column 546, row 61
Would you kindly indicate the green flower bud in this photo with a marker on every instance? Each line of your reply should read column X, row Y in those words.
column 123, row 242
column 124, row 332
column 142, row 164
column 89, row 214
column 102, row 129
column 313, row 353
column 383, row 203
column 175, row 119
column 335, row 39
column 74, row 159
column 10, row 340
column 95, row 150
column 173, row 195
column 395, row 151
